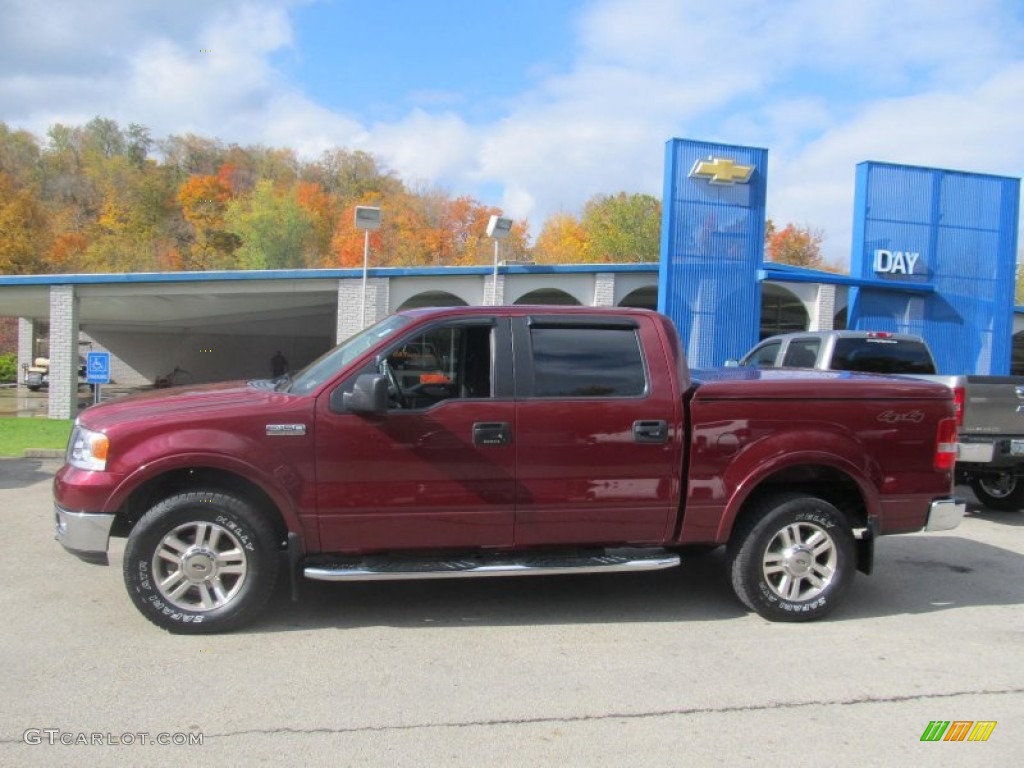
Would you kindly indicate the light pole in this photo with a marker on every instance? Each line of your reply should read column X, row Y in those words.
column 367, row 218
column 497, row 228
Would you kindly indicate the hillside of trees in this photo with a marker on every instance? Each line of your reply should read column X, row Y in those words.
column 105, row 198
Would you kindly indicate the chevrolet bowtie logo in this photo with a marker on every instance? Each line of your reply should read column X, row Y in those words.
column 721, row 170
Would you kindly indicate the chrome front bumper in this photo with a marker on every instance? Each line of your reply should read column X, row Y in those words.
column 945, row 514
column 84, row 534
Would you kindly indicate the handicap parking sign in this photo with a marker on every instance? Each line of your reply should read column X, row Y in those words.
column 97, row 368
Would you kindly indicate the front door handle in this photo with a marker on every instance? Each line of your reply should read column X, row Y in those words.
column 650, row 431
column 492, row 433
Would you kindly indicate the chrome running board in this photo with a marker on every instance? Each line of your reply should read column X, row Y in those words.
column 478, row 565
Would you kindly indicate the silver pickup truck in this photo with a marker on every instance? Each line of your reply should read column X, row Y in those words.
column 990, row 456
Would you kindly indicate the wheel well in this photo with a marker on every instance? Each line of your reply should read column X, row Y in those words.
column 161, row 487
column 828, row 483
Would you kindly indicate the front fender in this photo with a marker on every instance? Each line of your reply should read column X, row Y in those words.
column 276, row 476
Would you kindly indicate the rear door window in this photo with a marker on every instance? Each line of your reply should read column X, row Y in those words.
column 802, row 353
column 587, row 362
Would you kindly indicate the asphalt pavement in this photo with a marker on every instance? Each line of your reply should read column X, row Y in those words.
column 662, row 668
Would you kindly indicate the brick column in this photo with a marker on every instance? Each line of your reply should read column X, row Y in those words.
column 350, row 297
column 494, row 292
column 63, row 352
column 824, row 309
column 26, row 346
column 604, row 289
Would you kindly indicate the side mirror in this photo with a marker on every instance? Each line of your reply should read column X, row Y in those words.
column 369, row 395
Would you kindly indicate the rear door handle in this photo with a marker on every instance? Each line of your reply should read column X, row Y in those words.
column 492, row 433
column 650, row 431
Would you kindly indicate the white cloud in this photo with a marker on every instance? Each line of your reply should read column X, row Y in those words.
column 822, row 85
column 975, row 130
column 425, row 147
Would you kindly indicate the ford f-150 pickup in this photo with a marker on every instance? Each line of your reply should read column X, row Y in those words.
column 990, row 413
column 488, row 441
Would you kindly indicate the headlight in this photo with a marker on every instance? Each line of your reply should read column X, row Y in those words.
column 88, row 449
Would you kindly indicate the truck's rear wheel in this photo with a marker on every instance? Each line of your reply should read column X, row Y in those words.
column 792, row 557
column 201, row 562
column 1003, row 492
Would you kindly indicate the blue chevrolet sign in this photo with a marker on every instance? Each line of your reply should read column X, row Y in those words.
column 97, row 368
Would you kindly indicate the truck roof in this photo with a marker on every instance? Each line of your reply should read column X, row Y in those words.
column 846, row 334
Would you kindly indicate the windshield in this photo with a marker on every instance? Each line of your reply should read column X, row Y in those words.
column 326, row 366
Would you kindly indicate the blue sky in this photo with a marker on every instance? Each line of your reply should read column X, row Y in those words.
column 537, row 106
column 377, row 60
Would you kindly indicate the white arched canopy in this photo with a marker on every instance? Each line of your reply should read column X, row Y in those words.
column 432, row 299
column 641, row 298
column 552, row 296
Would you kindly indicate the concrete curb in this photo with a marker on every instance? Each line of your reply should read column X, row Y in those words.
column 43, row 453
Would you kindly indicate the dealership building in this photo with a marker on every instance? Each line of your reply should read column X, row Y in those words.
column 933, row 253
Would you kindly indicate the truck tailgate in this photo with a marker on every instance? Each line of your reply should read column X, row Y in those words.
column 994, row 406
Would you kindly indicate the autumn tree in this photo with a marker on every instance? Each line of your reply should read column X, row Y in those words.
column 22, row 230
column 798, row 246
column 623, row 228
column 562, row 240
column 321, row 210
column 19, row 156
column 191, row 155
column 352, row 176
column 204, row 200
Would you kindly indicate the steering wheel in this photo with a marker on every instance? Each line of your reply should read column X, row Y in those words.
column 393, row 384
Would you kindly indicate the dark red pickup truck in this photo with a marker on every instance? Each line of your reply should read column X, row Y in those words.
column 504, row 441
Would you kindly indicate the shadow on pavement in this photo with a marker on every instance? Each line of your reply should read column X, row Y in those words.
column 914, row 574
column 21, row 473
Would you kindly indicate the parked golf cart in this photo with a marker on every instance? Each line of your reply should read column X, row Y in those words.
column 37, row 375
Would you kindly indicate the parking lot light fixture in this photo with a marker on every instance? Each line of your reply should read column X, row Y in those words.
column 498, row 228
column 367, row 218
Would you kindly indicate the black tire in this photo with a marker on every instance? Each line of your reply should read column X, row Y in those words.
column 792, row 557
column 201, row 562
column 1004, row 492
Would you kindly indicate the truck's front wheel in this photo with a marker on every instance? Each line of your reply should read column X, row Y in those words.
column 792, row 557
column 1003, row 492
column 200, row 562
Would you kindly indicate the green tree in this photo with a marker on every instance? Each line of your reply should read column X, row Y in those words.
column 274, row 229
column 623, row 228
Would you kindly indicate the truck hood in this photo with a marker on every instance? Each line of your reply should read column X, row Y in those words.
column 185, row 404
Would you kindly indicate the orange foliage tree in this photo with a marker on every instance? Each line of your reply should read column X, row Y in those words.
column 800, row 247
column 204, row 200
column 563, row 240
